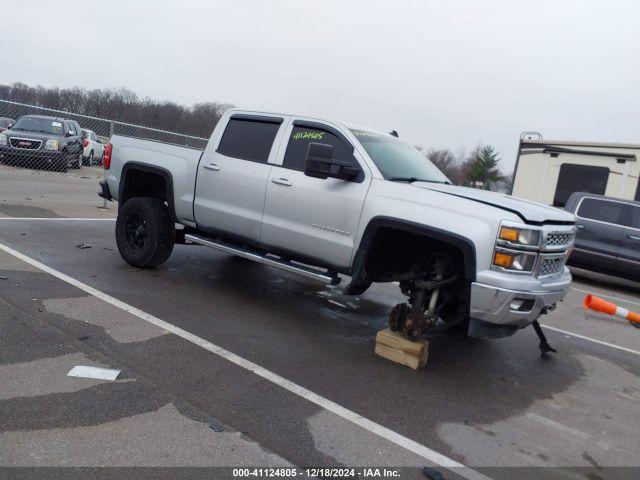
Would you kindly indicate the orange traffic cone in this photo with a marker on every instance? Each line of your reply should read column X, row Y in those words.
column 600, row 305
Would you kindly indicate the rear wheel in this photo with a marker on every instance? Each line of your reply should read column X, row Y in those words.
column 144, row 232
column 87, row 161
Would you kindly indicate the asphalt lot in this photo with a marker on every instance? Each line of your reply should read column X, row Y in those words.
column 26, row 192
column 325, row 399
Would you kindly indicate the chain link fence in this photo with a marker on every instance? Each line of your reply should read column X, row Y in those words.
column 52, row 160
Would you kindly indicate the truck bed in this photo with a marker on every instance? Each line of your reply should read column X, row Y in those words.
column 181, row 161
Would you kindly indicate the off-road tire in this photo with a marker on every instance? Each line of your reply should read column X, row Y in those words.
column 158, row 232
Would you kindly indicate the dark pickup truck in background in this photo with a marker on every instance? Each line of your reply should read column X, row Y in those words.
column 38, row 141
column 608, row 234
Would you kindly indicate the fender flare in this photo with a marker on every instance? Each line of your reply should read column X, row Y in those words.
column 161, row 172
column 359, row 283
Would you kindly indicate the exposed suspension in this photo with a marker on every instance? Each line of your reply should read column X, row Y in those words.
column 425, row 296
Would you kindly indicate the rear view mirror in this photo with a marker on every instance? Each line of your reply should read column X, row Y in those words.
column 321, row 164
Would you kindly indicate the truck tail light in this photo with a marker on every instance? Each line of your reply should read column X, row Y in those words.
column 107, row 157
column 85, row 143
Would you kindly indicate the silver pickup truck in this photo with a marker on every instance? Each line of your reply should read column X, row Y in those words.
column 326, row 199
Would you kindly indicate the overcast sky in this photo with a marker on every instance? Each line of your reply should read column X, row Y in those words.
column 442, row 73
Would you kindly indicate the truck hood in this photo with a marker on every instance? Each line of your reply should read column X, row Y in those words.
column 530, row 212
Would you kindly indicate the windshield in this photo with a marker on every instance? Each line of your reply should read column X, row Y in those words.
column 398, row 160
column 41, row 125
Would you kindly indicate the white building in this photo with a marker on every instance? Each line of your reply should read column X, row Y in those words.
column 548, row 171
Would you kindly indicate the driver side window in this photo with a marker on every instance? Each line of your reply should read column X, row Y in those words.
column 301, row 137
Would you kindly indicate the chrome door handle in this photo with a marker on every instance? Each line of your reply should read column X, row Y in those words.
column 282, row 181
column 580, row 226
column 633, row 237
column 212, row 166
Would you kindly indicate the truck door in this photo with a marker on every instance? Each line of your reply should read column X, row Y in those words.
column 630, row 251
column 74, row 141
column 231, row 180
column 600, row 232
column 313, row 216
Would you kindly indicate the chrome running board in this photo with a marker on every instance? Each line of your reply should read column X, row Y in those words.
column 267, row 259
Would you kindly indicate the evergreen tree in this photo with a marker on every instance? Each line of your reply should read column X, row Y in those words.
column 483, row 166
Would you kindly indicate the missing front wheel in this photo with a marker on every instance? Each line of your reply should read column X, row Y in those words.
column 428, row 294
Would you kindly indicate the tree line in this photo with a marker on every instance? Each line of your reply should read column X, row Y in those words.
column 122, row 105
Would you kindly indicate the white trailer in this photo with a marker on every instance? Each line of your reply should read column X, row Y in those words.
column 549, row 171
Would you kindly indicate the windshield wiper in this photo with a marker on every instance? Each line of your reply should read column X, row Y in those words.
column 414, row 179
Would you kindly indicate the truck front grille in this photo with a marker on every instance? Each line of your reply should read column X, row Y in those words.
column 550, row 266
column 25, row 143
column 557, row 240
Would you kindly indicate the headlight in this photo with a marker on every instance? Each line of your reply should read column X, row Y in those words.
column 3, row 139
column 514, row 261
column 517, row 236
column 51, row 145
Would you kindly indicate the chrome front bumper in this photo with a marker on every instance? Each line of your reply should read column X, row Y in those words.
column 516, row 307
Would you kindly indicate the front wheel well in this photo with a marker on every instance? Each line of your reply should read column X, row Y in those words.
column 434, row 269
column 394, row 255
column 389, row 251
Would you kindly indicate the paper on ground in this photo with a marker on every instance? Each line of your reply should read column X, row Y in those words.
column 94, row 372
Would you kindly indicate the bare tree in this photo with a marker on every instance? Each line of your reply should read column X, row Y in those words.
column 446, row 161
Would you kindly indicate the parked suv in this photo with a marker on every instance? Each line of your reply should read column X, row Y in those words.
column 42, row 142
column 608, row 234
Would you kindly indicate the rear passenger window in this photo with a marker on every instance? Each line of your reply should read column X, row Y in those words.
column 301, row 137
column 248, row 139
column 602, row 210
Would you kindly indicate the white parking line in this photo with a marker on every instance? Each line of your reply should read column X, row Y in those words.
column 75, row 219
column 349, row 415
column 610, row 297
column 589, row 339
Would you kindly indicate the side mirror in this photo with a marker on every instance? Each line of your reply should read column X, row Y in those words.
column 321, row 164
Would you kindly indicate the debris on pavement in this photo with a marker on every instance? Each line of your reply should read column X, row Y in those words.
column 83, row 246
column 217, row 427
column 432, row 473
column 94, row 372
